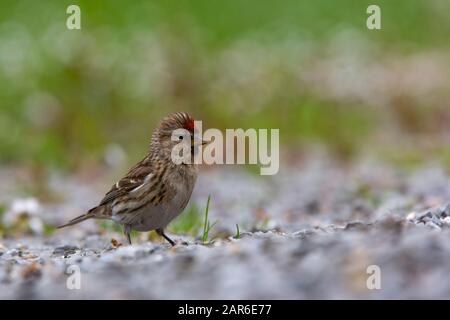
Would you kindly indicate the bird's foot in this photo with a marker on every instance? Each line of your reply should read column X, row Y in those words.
column 180, row 242
column 161, row 233
column 127, row 231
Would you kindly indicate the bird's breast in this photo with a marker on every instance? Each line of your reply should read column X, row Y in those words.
column 179, row 189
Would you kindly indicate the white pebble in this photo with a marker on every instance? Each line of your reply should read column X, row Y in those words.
column 411, row 216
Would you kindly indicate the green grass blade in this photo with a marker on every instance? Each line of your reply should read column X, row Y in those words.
column 238, row 232
column 206, row 226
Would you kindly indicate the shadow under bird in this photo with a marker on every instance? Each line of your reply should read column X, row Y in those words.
column 156, row 190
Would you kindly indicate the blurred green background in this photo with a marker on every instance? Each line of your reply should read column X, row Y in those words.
column 74, row 98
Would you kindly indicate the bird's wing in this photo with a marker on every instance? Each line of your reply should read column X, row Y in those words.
column 134, row 178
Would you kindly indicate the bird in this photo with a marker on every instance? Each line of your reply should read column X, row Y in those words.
column 155, row 190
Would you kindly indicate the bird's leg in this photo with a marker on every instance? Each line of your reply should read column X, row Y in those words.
column 161, row 233
column 127, row 231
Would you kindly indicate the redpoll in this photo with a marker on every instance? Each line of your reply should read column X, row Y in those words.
column 156, row 190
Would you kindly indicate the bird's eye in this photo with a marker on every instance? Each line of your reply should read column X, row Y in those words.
column 180, row 137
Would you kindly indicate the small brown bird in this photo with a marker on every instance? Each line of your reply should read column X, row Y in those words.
column 155, row 190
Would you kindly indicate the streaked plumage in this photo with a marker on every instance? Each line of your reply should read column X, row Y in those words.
column 155, row 190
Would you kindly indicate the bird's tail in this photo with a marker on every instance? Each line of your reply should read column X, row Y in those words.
column 92, row 213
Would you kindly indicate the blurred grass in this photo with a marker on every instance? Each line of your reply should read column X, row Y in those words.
column 188, row 223
column 66, row 95
column 192, row 221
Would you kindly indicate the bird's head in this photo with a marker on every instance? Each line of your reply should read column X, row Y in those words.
column 175, row 129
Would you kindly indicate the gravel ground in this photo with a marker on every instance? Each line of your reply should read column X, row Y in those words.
column 312, row 231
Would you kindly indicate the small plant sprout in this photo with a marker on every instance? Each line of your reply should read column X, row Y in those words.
column 207, row 226
column 238, row 233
